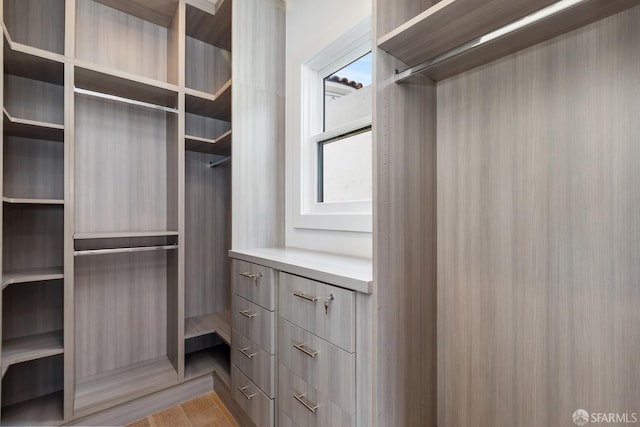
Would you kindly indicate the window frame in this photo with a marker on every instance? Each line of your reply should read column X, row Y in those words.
column 352, row 216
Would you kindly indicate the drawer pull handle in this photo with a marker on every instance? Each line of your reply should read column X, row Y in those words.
column 305, row 296
column 255, row 276
column 245, row 351
column 247, row 313
column 243, row 390
column 312, row 407
column 309, row 352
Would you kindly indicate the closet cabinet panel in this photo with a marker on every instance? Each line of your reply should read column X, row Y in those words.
column 254, row 322
column 36, row 23
column 538, row 201
column 255, row 362
column 251, row 399
column 255, row 283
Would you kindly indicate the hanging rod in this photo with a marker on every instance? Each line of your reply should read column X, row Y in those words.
column 521, row 23
column 124, row 250
column 125, row 100
column 219, row 162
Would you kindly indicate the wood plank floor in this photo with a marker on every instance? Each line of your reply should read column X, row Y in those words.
column 204, row 411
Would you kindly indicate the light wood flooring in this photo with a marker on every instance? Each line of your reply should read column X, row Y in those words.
column 204, row 411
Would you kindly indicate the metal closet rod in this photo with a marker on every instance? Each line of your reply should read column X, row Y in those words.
column 532, row 18
column 125, row 100
column 124, row 250
column 219, row 162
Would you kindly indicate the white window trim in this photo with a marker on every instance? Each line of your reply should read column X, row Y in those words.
column 308, row 213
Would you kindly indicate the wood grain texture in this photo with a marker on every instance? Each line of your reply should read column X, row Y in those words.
column 32, row 236
column 328, row 412
column 36, row 23
column 176, row 46
column 258, row 365
column 259, row 407
column 336, row 325
column 34, row 168
column 207, row 239
column 31, row 309
column 31, row 275
column 537, row 205
column 449, row 23
column 207, row 361
column 258, row 115
column 220, row 146
column 331, row 371
column 159, row 12
column 260, row 289
column 40, row 411
column 214, row 105
column 120, row 311
column 211, row 28
column 260, row 328
column 205, row 127
column 218, row 323
column 25, row 61
column 404, row 260
column 208, row 67
column 28, row 381
column 390, row 14
column 32, row 347
column 116, row 145
column 32, row 129
column 101, row 33
column 34, row 99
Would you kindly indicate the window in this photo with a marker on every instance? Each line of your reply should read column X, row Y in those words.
column 336, row 166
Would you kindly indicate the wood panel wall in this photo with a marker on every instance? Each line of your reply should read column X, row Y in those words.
column 538, row 232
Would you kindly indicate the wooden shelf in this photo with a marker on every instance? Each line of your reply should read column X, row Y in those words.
column 32, row 129
column 121, row 385
column 218, row 323
column 18, row 350
column 160, row 12
column 32, row 63
column 216, row 106
column 450, row 24
column 21, row 201
column 124, row 234
column 117, row 83
column 208, row 25
column 205, row 362
column 220, row 145
column 33, row 275
column 41, row 411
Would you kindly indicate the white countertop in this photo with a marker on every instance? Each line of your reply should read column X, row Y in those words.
column 345, row 271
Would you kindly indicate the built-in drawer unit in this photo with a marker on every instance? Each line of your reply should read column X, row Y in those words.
column 251, row 399
column 322, row 309
column 306, row 406
column 254, row 322
column 255, row 283
column 326, row 367
column 256, row 363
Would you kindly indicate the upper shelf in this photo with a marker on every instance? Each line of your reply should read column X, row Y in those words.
column 220, row 146
column 124, row 234
column 32, row 129
column 18, row 350
column 32, row 63
column 456, row 35
column 210, row 24
column 160, row 12
column 216, row 106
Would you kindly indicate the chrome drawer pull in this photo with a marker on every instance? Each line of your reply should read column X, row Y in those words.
column 254, row 276
column 245, row 351
column 312, row 407
column 305, row 296
column 243, row 390
column 247, row 313
column 302, row 348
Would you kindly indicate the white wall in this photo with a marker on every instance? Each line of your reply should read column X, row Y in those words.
column 311, row 26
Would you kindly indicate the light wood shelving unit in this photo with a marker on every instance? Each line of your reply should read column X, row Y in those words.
column 478, row 107
column 113, row 113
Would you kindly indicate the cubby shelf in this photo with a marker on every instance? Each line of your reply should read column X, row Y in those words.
column 40, row 411
column 124, row 234
column 120, row 385
column 32, row 128
column 207, row 361
column 159, row 12
column 26, row 201
column 23, row 349
column 218, row 323
column 220, row 145
column 33, row 63
column 210, row 24
column 433, row 40
column 216, row 106
column 32, row 275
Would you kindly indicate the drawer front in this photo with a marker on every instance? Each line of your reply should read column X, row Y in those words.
column 306, row 406
column 302, row 302
column 254, row 322
column 324, row 366
column 254, row 362
column 251, row 399
column 284, row 420
column 255, row 283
